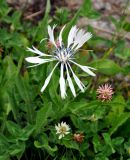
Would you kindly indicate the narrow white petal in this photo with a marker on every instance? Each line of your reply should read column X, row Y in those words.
column 56, row 127
column 61, row 136
column 71, row 35
column 49, row 60
column 43, row 40
column 83, row 39
column 92, row 68
column 48, row 78
column 60, row 35
column 78, row 82
column 84, row 68
column 39, row 52
column 78, row 36
column 33, row 65
column 70, row 82
column 62, row 83
column 51, row 35
column 35, row 50
column 63, row 123
column 37, row 60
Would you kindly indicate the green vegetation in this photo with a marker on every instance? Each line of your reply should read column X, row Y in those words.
column 28, row 117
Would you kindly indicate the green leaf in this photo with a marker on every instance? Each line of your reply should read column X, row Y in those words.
column 119, row 99
column 4, row 157
column 4, row 9
column 13, row 105
column 15, row 19
column 117, row 117
column 54, row 87
column 17, row 149
column 4, row 145
column 18, row 133
column 76, row 107
column 88, row 11
column 8, row 74
column 26, row 132
column 121, row 50
column 101, row 157
column 10, row 71
column 44, row 143
column 117, row 141
column 106, row 66
column 22, row 86
column 118, row 104
column 70, row 144
column 12, row 39
column 42, row 116
column 97, row 144
column 61, row 16
column 126, row 26
column 108, row 141
column 13, row 128
column 118, row 121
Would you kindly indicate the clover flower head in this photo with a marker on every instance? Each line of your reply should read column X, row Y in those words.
column 105, row 92
column 78, row 137
column 63, row 55
column 62, row 129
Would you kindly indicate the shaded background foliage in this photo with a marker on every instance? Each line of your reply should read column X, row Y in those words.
column 27, row 117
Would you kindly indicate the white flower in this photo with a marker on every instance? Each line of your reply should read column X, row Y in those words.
column 62, row 129
column 63, row 55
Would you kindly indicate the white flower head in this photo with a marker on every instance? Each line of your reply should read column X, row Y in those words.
column 63, row 55
column 62, row 129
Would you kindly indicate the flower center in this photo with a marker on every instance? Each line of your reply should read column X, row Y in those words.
column 106, row 93
column 62, row 129
column 63, row 54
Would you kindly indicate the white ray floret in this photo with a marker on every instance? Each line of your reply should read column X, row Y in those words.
column 48, row 78
column 60, row 36
column 70, row 82
column 51, row 34
column 35, row 50
column 71, row 36
column 64, row 56
column 62, row 82
column 78, row 82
